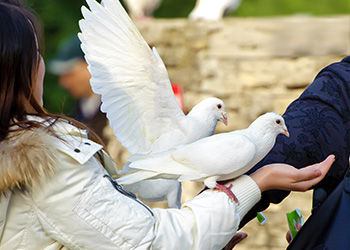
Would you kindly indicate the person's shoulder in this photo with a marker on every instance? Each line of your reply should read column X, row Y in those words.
column 74, row 142
column 26, row 156
column 346, row 60
column 342, row 66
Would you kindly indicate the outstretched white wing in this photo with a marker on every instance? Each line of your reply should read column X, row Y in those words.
column 131, row 78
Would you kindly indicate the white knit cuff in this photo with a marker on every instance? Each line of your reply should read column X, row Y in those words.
column 247, row 192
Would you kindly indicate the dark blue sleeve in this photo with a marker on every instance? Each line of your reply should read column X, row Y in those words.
column 319, row 125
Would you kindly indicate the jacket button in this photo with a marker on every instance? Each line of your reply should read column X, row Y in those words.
column 77, row 150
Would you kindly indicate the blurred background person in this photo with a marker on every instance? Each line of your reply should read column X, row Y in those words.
column 73, row 75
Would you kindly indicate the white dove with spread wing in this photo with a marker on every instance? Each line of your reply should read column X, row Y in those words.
column 135, row 87
column 216, row 158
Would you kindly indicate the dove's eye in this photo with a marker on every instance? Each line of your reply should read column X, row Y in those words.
column 278, row 121
column 219, row 106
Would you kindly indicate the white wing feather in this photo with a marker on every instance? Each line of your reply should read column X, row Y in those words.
column 131, row 78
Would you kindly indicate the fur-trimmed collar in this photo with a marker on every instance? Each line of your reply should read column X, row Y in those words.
column 25, row 159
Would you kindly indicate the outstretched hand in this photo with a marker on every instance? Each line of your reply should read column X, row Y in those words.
column 286, row 177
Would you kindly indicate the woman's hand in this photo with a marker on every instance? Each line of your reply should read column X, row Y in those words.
column 286, row 177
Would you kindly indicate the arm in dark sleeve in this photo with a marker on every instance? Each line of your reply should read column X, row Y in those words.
column 319, row 125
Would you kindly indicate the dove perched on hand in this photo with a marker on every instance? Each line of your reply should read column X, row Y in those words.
column 216, row 158
column 213, row 9
column 135, row 88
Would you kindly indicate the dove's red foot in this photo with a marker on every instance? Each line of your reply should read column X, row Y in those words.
column 225, row 182
column 228, row 191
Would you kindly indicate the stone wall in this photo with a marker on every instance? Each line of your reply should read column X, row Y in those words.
column 255, row 65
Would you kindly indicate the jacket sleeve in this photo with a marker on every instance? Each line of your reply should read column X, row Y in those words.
column 81, row 209
column 319, row 125
column 208, row 221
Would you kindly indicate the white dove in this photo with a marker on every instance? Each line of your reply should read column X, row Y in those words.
column 135, row 87
column 216, row 158
column 153, row 190
column 140, row 9
column 213, row 9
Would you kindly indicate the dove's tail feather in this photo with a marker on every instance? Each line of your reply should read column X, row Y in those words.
column 191, row 177
column 137, row 157
column 165, row 166
column 136, row 177
column 126, row 169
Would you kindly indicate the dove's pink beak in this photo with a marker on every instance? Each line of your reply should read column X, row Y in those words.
column 224, row 118
column 286, row 133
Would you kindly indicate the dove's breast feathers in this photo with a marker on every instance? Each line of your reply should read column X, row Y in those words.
column 180, row 130
column 217, row 148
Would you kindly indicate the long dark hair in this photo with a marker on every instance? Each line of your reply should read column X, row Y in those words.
column 21, row 44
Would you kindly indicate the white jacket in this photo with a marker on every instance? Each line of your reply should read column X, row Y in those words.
column 54, row 196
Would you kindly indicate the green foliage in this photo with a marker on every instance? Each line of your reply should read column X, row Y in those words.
column 175, row 8
column 60, row 19
column 256, row 8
